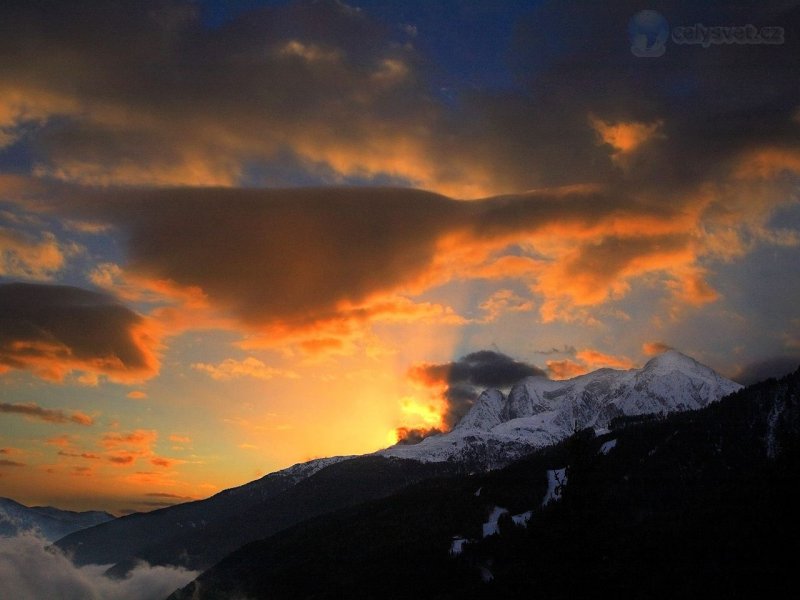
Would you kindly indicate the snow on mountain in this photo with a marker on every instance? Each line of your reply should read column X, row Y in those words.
column 540, row 411
column 486, row 412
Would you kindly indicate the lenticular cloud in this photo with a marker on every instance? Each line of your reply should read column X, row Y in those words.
column 31, row 569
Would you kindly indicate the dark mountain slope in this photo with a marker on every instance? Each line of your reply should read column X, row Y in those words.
column 127, row 536
column 198, row 534
column 699, row 504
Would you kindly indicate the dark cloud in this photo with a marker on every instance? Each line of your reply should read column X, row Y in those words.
column 53, row 330
column 310, row 249
column 713, row 102
column 316, row 250
column 484, row 368
column 409, row 436
column 49, row 415
column 459, row 397
column 168, row 495
column 468, row 376
column 567, row 350
column 764, row 369
column 4, row 462
column 326, row 90
column 314, row 84
column 87, row 455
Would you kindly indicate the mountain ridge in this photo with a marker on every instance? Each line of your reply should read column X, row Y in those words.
column 47, row 521
column 539, row 411
column 696, row 504
column 199, row 533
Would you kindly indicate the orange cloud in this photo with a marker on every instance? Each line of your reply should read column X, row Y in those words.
column 346, row 330
column 653, row 348
column 139, row 440
column 22, row 105
column 587, row 360
column 565, row 369
column 502, row 302
column 625, row 137
column 136, row 395
column 249, row 367
column 24, row 256
column 160, row 461
column 767, row 163
column 596, row 359
column 123, row 449
column 575, row 248
column 691, row 288
column 61, row 441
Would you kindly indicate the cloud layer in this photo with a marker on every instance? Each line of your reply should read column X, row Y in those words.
column 321, row 91
column 656, row 170
column 330, row 260
column 31, row 568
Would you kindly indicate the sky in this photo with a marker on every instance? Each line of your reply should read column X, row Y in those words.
column 239, row 235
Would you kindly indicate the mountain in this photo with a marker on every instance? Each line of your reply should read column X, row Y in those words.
column 198, row 534
column 497, row 431
column 538, row 411
column 701, row 503
column 51, row 523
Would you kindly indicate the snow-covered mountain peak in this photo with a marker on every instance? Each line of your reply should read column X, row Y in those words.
column 672, row 360
column 486, row 412
column 540, row 411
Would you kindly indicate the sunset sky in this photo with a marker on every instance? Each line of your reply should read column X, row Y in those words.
column 239, row 235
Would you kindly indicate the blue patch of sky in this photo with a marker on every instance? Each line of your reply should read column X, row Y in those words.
column 287, row 170
column 467, row 41
column 18, row 157
column 84, row 251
